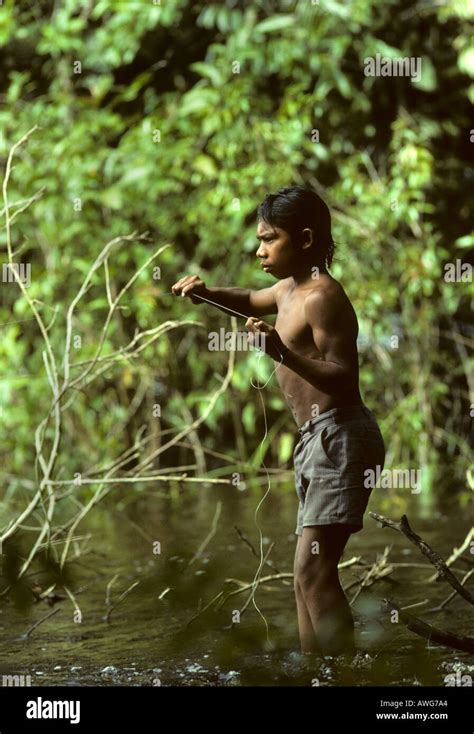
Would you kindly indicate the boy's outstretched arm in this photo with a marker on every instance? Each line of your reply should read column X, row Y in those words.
column 242, row 300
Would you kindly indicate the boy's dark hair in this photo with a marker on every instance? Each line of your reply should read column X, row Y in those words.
column 293, row 209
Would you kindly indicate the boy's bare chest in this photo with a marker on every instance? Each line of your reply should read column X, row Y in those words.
column 292, row 327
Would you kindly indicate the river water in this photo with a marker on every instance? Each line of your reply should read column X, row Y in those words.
column 150, row 536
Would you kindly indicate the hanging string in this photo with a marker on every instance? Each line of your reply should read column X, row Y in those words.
column 255, row 583
column 259, row 388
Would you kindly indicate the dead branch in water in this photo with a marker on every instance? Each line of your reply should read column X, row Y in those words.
column 457, row 553
column 438, row 562
column 122, row 596
column 250, row 545
column 209, row 536
column 432, row 634
column 380, row 569
column 220, row 598
column 40, row 621
column 441, row 606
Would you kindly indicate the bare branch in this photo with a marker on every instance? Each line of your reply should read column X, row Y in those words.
column 403, row 527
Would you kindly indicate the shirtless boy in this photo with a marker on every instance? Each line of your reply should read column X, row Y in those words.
column 314, row 346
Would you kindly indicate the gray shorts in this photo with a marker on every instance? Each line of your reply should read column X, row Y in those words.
column 334, row 451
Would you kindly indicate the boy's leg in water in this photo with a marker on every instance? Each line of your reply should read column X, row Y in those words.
column 305, row 626
column 317, row 580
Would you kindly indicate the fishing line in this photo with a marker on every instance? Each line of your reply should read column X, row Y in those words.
column 255, row 583
column 245, row 316
column 259, row 388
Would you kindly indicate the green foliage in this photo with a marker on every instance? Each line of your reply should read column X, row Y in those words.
column 178, row 120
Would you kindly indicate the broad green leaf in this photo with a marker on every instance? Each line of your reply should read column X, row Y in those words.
column 276, row 23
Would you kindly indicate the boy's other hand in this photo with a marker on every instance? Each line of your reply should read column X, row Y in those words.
column 190, row 286
column 268, row 339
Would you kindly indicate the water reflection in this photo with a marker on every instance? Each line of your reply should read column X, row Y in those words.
column 160, row 632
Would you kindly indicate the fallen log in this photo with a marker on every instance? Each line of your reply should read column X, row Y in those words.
column 432, row 634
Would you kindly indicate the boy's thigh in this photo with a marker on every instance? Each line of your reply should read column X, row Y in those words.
column 321, row 545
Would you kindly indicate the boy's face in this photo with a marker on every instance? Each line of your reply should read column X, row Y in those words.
column 276, row 250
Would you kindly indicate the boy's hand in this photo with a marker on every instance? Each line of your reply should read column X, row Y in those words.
column 189, row 285
column 270, row 342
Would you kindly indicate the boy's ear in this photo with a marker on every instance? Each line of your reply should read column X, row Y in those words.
column 307, row 238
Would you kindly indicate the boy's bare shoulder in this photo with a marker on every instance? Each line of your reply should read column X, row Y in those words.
column 326, row 289
column 329, row 304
